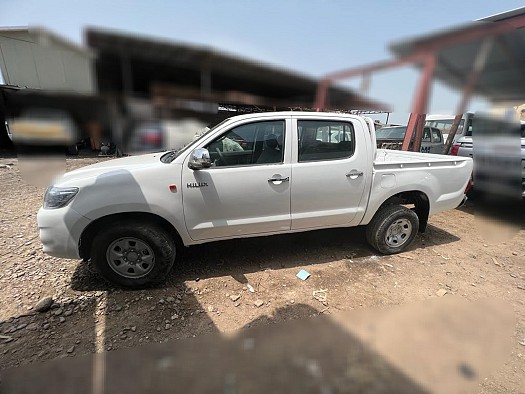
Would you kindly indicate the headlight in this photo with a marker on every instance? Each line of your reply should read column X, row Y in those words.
column 57, row 197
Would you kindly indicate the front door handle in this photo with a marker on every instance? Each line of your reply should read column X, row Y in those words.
column 354, row 174
column 278, row 180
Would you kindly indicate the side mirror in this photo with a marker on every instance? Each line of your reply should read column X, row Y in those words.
column 199, row 159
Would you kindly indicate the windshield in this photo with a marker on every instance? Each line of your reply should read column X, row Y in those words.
column 445, row 125
column 171, row 155
column 391, row 133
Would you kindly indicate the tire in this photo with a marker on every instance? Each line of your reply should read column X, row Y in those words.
column 132, row 255
column 404, row 223
column 72, row 150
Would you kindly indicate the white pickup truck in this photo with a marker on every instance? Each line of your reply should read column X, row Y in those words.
column 251, row 175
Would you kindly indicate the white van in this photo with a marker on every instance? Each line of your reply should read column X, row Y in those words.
column 445, row 122
column 392, row 138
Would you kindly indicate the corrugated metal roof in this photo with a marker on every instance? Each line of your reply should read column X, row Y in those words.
column 154, row 61
column 503, row 76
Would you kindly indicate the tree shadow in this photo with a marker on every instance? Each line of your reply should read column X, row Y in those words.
column 306, row 355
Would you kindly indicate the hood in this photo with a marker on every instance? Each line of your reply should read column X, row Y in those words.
column 127, row 164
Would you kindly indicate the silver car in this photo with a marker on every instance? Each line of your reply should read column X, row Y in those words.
column 464, row 146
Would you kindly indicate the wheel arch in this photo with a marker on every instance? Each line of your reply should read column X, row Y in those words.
column 88, row 234
column 417, row 198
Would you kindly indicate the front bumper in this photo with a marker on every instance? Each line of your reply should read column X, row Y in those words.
column 60, row 230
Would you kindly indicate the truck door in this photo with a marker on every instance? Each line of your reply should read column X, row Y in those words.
column 426, row 143
column 437, row 140
column 330, row 171
column 247, row 189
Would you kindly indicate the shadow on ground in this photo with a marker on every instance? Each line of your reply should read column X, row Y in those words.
column 408, row 349
column 314, row 355
column 107, row 318
column 239, row 257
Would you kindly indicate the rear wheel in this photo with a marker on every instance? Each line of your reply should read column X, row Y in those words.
column 133, row 255
column 392, row 229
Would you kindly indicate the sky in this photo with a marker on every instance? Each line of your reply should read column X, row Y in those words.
column 312, row 37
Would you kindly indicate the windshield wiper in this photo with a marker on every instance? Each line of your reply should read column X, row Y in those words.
column 168, row 157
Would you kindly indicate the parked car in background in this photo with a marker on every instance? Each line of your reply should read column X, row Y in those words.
column 154, row 135
column 392, row 138
column 464, row 146
column 444, row 124
column 147, row 136
column 44, row 127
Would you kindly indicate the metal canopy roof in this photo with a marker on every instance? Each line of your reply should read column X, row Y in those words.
column 502, row 78
column 153, row 62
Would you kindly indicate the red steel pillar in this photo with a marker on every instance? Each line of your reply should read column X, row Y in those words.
column 320, row 99
column 419, row 106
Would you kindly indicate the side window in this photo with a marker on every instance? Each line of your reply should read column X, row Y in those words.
column 248, row 144
column 426, row 134
column 436, row 135
column 447, row 125
column 325, row 140
column 469, row 128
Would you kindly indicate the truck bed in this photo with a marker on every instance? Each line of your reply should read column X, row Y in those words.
column 441, row 178
column 401, row 159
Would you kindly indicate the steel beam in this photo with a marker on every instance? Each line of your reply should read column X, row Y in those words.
column 476, row 31
column 419, row 106
column 477, row 69
column 324, row 84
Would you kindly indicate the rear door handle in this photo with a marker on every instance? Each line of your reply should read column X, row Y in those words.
column 354, row 174
column 279, row 179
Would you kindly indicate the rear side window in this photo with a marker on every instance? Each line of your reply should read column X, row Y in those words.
column 325, row 140
column 436, row 135
column 444, row 124
column 426, row 134
column 468, row 133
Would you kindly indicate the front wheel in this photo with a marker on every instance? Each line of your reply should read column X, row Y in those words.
column 392, row 229
column 133, row 255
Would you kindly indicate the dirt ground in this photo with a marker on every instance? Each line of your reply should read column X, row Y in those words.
column 211, row 289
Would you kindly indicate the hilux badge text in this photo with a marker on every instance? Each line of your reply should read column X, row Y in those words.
column 196, row 184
